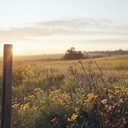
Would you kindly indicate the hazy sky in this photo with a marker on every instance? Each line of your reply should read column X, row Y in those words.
column 53, row 26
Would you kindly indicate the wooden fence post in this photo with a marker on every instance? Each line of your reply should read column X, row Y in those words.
column 6, row 89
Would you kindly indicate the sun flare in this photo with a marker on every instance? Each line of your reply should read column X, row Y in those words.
column 18, row 49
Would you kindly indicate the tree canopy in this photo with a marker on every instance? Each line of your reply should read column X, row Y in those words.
column 72, row 54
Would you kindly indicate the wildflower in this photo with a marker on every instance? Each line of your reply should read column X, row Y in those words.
column 42, row 101
column 61, row 101
column 66, row 96
column 110, row 96
column 110, row 108
column 104, row 101
column 117, row 91
column 86, row 101
column 57, row 90
column 53, row 120
column 38, row 90
column 15, row 105
column 90, row 96
column 69, row 120
column 31, row 96
column 34, row 108
column 106, row 106
column 77, row 102
column 25, row 106
column 117, row 87
column 77, row 109
column 73, row 118
column 67, row 105
column 105, row 89
column 121, row 101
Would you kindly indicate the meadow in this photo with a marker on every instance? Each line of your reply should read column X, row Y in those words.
column 90, row 93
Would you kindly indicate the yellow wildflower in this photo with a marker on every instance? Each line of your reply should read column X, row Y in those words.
column 73, row 118
column 86, row 101
column 25, row 106
column 117, row 91
column 77, row 109
column 90, row 96
column 15, row 105
column 69, row 120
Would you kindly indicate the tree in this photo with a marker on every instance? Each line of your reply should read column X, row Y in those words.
column 71, row 54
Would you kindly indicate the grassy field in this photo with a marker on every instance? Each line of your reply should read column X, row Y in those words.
column 70, row 94
column 119, row 62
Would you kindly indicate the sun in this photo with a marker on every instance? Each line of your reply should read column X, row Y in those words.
column 18, row 49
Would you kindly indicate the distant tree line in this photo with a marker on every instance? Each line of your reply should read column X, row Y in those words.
column 72, row 54
column 108, row 53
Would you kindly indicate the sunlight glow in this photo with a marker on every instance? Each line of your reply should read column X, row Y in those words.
column 18, row 49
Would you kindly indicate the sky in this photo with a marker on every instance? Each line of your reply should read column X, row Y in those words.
column 53, row 26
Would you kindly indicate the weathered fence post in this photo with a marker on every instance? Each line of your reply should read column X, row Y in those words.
column 6, row 89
